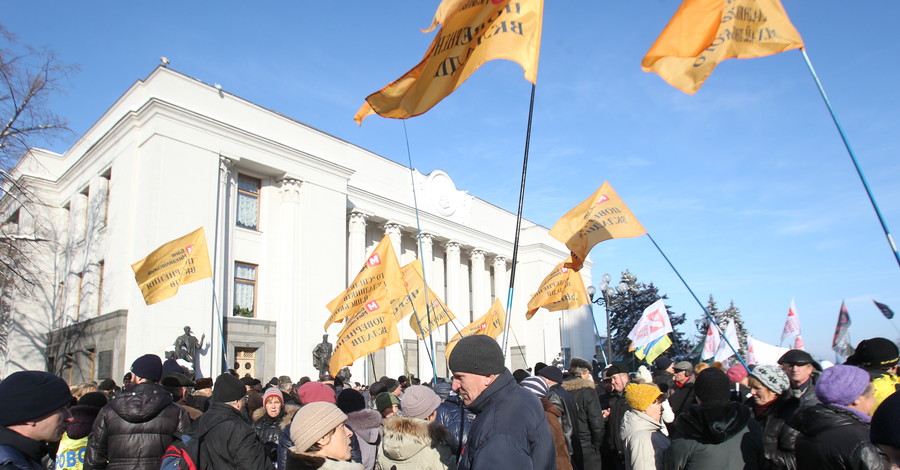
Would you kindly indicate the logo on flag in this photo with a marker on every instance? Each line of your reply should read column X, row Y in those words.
column 374, row 260
column 792, row 324
column 372, row 306
column 602, row 199
column 653, row 324
column 188, row 249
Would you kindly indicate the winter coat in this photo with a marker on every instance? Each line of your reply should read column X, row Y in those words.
column 228, row 441
column 366, row 427
column 302, row 461
column 718, row 436
column 553, row 414
column 645, row 444
column 565, row 403
column 269, row 429
column 18, row 451
column 613, row 444
column 133, row 430
column 682, row 398
column 589, row 420
column 834, row 438
column 458, row 419
column 510, row 430
column 285, row 443
column 807, row 395
column 411, row 443
column 778, row 437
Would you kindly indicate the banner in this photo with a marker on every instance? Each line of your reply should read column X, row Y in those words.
column 751, row 353
column 181, row 261
column 370, row 328
column 379, row 279
column 653, row 325
column 724, row 352
column 600, row 217
column 562, row 289
column 791, row 324
column 711, row 343
column 703, row 33
column 765, row 353
column 650, row 351
column 885, row 310
column 437, row 313
column 490, row 324
column 472, row 33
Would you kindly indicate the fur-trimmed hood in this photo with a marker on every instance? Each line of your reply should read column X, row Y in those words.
column 303, row 461
column 406, row 437
column 286, row 417
column 577, row 384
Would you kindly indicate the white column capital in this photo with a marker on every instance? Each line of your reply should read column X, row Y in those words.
column 290, row 189
column 358, row 217
column 391, row 227
column 500, row 261
column 453, row 246
column 225, row 163
column 477, row 255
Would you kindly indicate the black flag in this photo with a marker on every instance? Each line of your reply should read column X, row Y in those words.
column 884, row 309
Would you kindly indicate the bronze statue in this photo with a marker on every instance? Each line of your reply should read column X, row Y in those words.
column 186, row 345
column 322, row 355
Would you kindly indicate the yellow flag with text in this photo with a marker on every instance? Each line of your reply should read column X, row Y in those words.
column 178, row 262
column 562, row 289
column 703, row 33
column 378, row 280
column 434, row 316
column 472, row 33
column 600, row 217
column 370, row 328
column 490, row 324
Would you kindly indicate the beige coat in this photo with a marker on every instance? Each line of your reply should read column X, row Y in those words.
column 414, row 444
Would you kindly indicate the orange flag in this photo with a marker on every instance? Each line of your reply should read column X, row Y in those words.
column 434, row 316
column 370, row 328
column 378, row 281
column 472, row 33
column 599, row 218
column 180, row 261
column 703, row 33
column 562, row 289
column 490, row 324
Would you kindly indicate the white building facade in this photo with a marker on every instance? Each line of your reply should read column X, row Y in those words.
column 289, row 213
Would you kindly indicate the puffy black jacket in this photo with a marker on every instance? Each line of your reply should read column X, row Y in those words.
column 269, row 429
column 229, row 441
column 779, row 438
column 718, row 435
column 589, row 420
column 454, row 415
column 510, row 430
column 682, row 398
column 133, row 430
column 834, row 438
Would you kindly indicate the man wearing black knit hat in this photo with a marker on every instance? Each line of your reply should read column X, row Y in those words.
column 228, row 439
column 137, row 425
column 510, row 428
column 717, row 433
column 34, row 411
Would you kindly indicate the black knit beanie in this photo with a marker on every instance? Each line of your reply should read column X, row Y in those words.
column 228, row 388
column 477, row 354
column 31, row 394
column 885, row 427
column 350, row 400
column 712, row 386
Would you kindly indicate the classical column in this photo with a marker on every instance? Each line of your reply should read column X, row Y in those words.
column 426, row 247
column 220, row 268
column 394, row 353
column 480, row 297
column 454, row 294
column 392, row 229
column 501, row 279
column 289, row 330
column 356, row 244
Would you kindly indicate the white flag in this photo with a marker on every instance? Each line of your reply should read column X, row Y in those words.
column 791, row 325
column 724, row 352
column 751, row 353
column 654, row 324
column 711, row 343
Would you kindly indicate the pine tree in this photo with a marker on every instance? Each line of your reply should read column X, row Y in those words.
column 625, row 310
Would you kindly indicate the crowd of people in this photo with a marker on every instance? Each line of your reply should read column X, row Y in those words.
column 793, row 415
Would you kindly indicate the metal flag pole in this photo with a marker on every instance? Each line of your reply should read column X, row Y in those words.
column 884, row 227
column 512, row 271
column 712, row 321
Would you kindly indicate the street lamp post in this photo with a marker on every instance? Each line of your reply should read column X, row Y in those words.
column 607, row 292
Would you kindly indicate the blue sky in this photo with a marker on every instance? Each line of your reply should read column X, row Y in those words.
column 746, row 185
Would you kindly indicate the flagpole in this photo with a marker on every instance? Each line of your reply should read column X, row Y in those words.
column 862, row 177
column 712, row 321
column 512, row 272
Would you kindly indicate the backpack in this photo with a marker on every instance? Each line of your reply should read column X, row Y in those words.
column 182, row 454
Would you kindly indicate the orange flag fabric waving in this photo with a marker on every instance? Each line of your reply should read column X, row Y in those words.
column 490, row 324
column 434, row 316
column 562, row 289
column 370, row 328
column 378, row 283
column 600, row 217
column 703, row 33
column 472, row 33
column 180, row 261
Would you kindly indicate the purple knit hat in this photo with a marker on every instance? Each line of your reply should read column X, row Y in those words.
column 841, row 385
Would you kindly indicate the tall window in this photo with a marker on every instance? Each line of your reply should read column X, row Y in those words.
column 248, row 202
column 244, row 290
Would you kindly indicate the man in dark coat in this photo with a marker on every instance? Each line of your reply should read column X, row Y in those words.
column 33, row 414
column 137, row 425
column 682, row 396
column 613, row 449
column 510, row 428
column 716, row 433
column 565, row 403
column 228, row 441
column 454, row 415
column 802, row 371
column 589, row 421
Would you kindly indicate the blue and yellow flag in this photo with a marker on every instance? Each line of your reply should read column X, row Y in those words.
column 649, row 352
